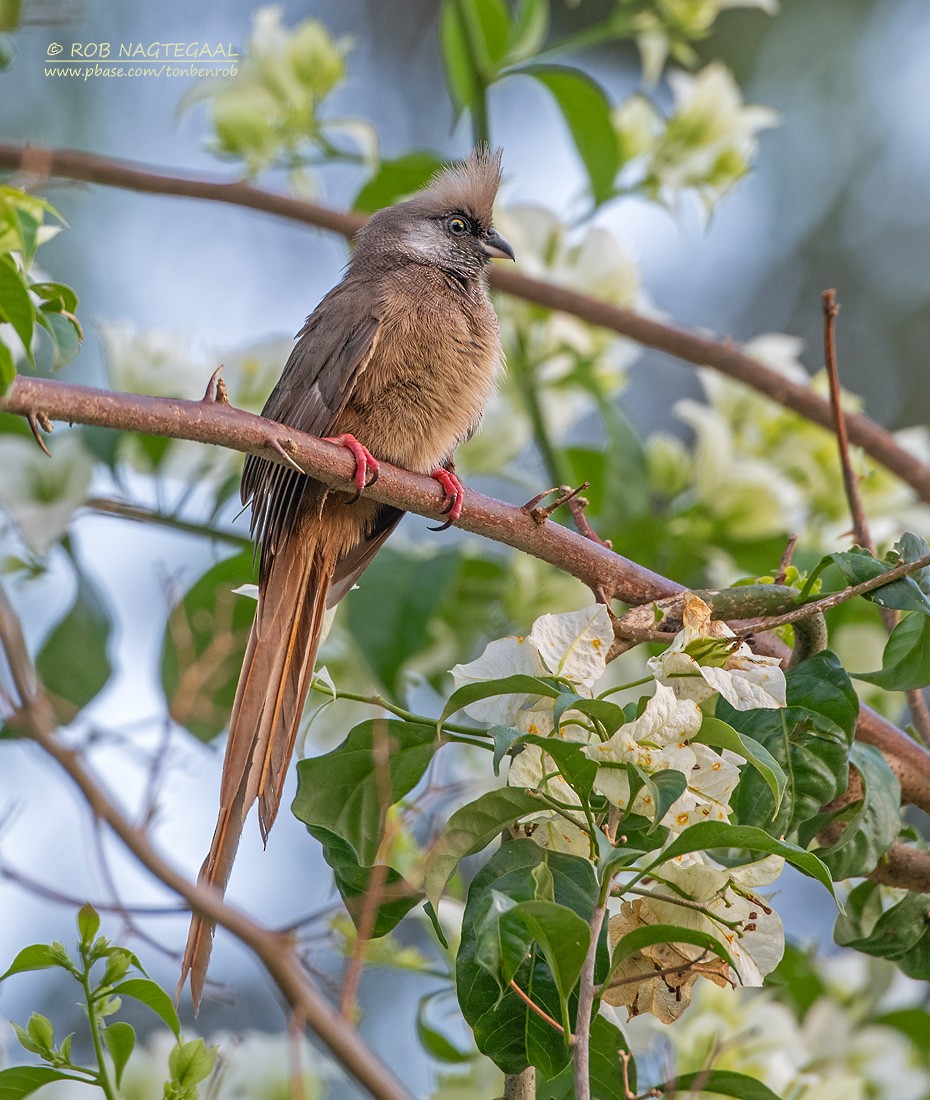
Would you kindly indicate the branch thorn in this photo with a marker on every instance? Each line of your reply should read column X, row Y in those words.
column 540, row 515
column 37, row 420
column 216, row 391
column 279, row 448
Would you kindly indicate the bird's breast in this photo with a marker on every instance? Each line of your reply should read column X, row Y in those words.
column 435, row 362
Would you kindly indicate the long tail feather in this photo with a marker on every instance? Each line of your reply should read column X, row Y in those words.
column 273, row 685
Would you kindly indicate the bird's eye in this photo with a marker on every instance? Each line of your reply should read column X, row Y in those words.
column 458, row 226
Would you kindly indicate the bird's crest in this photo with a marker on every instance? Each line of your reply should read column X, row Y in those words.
column 469, row 187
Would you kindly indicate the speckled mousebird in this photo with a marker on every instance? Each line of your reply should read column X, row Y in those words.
column 396, row 362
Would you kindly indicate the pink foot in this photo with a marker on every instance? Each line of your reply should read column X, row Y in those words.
column 364, row 462
column 455, row 493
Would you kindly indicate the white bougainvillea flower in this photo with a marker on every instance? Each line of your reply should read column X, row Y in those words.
column 504, row 657
column 746, row 926
column 659, row 740
column 573, row 646
column 745, row 679
column 667, row 994
column 42, row 496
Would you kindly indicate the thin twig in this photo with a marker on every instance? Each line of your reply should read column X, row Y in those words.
column 577, row 508
column 691, row 347
column 540, row 1012
column 920, row 715
column 835, row 598
column 586, row 994
column 663, row 972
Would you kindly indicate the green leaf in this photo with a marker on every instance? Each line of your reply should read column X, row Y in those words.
column 871, row 826
column 472, row 828
column 528, row 30
column 465, row 85
column 586, row 110
column 723, row 1082
column 39, row 956
column 396, row 179
column 609, row 714
column 519, row 684
column 88, row 922
column 563, row 936
column 59, row 295
column 666, row 787
column 906, row 660
column 41, row 1032
column 505, row 1029
column 899, row 933
column 810, row 739
column 152, row 996
column 204, row 644
column 665, row 933
column 120, row 1039
column 339, row 790
column 577, row 769
column 504, row 739
column 721, row 735
column 15, row 304
column 66, row 334
column 355, row 883
column 74, row 663
column 7, row 369
column 20, row 1081
column 192, row 1062
column 605, row 1042
column 706, row 835
column 10, row 14
column 905, row 594
column 433, row 1041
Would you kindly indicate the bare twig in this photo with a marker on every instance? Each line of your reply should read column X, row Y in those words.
column 583, row 524
column 691, row 347
column 835, row 598
column 540, row 1012
column 586, row 993
column 107, row 507
column 276, row 953
column 920, row 716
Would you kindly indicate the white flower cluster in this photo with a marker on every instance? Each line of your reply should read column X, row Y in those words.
column 269, row 114
column 762, row 470
column 670, row 26
column 705, row 145
column 563, row 357
column 703, row 659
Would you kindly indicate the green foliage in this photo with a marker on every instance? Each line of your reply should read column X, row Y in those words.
column 203, row 646
column 810, row 740
column 27, row 305
column 100, row 970
column 888, row 928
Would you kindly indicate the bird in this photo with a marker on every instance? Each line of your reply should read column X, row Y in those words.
column 395, row 363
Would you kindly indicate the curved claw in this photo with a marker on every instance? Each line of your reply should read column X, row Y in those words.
column 455, row 492
column 365, row 463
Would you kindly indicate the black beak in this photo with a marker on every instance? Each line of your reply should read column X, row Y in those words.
column 496, row 247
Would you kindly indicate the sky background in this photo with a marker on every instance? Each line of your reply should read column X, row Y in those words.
column 840, row 197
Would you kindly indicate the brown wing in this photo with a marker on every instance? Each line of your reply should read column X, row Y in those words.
column 332, row 348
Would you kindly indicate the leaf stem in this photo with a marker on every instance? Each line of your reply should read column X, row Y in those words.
column 103, row 1077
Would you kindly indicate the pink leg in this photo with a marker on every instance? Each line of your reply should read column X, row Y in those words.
column 364, row 462
column 455, row 493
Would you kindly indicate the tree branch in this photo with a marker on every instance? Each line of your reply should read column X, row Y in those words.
column 595, row 565
column 36, row 719
column 722, row 355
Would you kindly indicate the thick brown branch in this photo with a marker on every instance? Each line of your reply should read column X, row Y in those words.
column 722, row 355
column 37, row 720
column 595, row 565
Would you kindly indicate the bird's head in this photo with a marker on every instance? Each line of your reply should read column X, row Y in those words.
column 446, row 225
